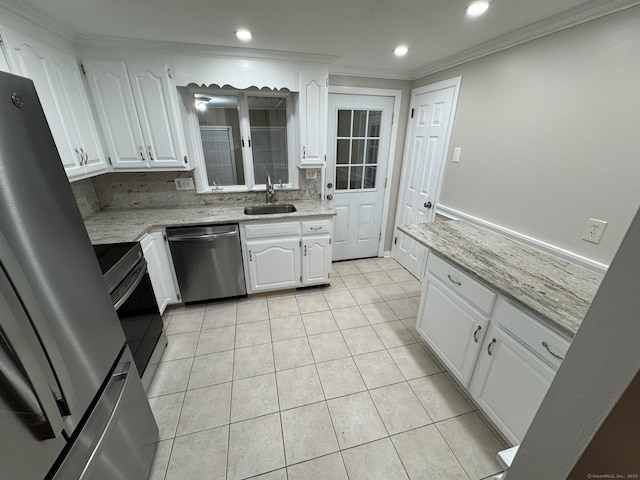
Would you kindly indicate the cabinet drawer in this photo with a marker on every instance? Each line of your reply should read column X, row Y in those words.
column 279, row 229
column 316, row 226
column 533, row 334
column 473, row 291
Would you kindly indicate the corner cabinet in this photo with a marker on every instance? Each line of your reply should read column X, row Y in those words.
column 502, row 355
column 313, row 103
column 285, row 254
column 138, row 108
column 58, row 81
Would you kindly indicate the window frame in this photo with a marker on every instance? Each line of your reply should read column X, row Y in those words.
column 250, row 184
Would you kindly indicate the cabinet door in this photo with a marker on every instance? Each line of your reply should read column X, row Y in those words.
column 156, row 101
column 509, row 384
column 111, row 91
column 72, row 93
column 160, row 269
column 452, row 328
column 316, row 260
column 273, row 264
column 313, row 102
column 31, row 59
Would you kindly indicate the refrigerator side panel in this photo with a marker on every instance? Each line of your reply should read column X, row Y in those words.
column 47, row 254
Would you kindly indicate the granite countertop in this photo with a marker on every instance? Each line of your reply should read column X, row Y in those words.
column 557, row 291
column 111, row 226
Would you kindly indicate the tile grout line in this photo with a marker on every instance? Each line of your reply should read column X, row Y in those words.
column 233, row 366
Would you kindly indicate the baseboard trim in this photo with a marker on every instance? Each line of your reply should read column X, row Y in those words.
column 527, row 240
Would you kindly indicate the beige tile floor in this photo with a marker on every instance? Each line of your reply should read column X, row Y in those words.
column 323, row 383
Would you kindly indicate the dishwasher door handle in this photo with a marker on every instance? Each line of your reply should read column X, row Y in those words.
column 206, row 237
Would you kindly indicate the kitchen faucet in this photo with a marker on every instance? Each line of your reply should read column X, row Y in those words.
column 271, row 193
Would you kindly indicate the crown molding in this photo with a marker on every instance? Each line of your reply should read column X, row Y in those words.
column 386, row 73
column 30, row 15
column 118, row 43
column 569, row 18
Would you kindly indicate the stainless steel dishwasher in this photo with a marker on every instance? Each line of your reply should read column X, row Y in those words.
column 208, row 261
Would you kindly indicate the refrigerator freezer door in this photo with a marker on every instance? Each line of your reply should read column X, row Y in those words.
column 47, row 254
column 119, row 438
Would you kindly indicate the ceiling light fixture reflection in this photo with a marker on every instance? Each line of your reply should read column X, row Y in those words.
column 244, row 35
column 476, row 9
column 201, row 103
column 401, row 50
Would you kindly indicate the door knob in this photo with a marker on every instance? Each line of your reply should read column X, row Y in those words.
column 428, row 205
column 329, row 197
column 329, row 185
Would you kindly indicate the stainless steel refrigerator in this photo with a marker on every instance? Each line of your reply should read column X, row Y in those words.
column 71, row 402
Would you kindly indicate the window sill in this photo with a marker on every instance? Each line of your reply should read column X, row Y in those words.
column 227, row 190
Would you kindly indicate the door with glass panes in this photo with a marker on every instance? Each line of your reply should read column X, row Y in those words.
column 357, row 156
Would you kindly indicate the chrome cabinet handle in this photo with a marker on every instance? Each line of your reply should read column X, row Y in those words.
column 546, row 345
column 490, row 345
column 455, row 282
column 85, row 155
column 475, row 334
column 141, row 150
column 80, row 155
column 315, row 228
column 304, row 152
column 150, row 153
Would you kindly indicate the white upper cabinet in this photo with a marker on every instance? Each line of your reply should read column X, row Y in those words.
column 57, row 79
column 137, row 105
column 313, row 101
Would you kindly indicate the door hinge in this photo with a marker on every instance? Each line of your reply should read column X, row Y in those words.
column 109, row 158
column 186, row 160
column 300, row 243
column 329, row 275
column 412, row 113
column 169, row 72
column 84, row 72
column 380, row 237
column 178, row 295
column 325, row 158
column 395, row 241
column 385, row 182
column 329, row 240
column 393, row 116
column 164, row 235
column 300, row 278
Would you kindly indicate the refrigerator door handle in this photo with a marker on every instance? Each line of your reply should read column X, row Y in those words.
column 23, row 383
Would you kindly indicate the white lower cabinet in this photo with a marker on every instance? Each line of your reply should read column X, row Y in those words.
column 283, row 254
column 509, row 383
column 160, row 268
column 452, row 328
column 273, row 264
column 502, row 355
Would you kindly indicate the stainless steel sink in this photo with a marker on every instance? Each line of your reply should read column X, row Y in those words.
column 269, row 208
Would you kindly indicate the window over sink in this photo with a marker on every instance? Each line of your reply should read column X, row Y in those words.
column 245, row 136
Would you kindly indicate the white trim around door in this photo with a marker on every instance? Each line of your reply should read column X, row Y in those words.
column 397, row 96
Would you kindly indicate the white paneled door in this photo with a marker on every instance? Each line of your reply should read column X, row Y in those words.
column 359, row 131
column 431, row 116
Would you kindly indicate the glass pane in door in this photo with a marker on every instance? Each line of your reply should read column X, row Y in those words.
column 357, row 142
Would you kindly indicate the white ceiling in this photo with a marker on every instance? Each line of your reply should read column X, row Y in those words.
column 361, row 33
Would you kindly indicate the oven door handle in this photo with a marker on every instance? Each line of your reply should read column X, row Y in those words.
column 142, row 267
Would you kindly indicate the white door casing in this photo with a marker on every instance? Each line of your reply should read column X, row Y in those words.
column 430, row 125
column 357, row 158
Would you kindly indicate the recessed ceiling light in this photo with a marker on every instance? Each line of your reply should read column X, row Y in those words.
column 476, row 9
column 244, row 34
column 401, row 50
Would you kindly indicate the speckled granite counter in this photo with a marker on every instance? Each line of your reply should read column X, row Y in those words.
column 110, row 226
column 555, row 290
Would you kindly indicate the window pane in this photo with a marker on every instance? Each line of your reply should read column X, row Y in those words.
column 344, row 123
column 220, row 131
column 370, row 177
column 357, row 151
column 343, row 151
column 372, row 151
column 268, row 120
column 359, row 123
column 355, row 181
column 342, row 178
column 374, row 123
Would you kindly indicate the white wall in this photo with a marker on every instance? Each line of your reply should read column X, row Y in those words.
column 550, row 135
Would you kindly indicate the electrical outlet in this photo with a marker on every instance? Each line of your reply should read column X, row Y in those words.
column 184, row 183
column 594, row 230
column 311, row 173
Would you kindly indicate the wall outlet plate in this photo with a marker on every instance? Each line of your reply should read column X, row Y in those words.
column 312, row 173
column 594, row 230
column 184, row 183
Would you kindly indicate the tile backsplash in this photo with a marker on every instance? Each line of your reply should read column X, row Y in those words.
column 157, row 190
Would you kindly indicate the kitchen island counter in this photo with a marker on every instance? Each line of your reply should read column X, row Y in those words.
column 557, row 291
column 111, row 226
